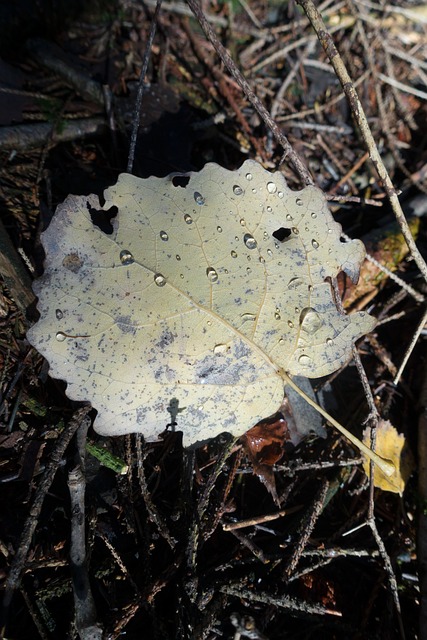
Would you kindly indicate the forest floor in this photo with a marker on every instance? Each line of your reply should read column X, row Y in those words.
column 165, row 555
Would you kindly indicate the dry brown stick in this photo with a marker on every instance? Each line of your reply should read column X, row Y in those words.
column 362, row 123
column 422, row 503
column 22, row 137
column 293, row 157
column 84, row 604
column 18, row 562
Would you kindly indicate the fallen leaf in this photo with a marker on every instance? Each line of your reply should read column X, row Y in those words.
column 390, row 445
column 195, row 292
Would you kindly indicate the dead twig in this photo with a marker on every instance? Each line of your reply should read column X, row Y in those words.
column 17, row 567
column 362, row 123
column 293, row 157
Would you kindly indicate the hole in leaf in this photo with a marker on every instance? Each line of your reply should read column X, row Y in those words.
column 102, row 219
column 180, row 181
column 282, row 234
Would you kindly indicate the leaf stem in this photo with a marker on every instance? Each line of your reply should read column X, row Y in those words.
column 385, row 465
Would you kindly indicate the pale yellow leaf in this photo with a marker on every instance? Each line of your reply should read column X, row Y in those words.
column 195, row 304
column 390, row 445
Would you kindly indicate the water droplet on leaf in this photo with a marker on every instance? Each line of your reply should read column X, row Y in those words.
column 188, row 219
column 299, row 202
column 237, row 190
column 220, row 348
column 60, row 336
column 249, row 241
column 212, row 274
column 159, row 279
column 295, row 282
column 249, row 176
column 126, row 257
column 164, row 236
column 314, row 244
column 271, row 187
column 199, row 198
column 59, row 314
column 233, row 254
column 304, row 360
column 310, row 320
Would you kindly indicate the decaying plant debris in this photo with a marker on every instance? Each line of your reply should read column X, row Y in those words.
column 189, row 543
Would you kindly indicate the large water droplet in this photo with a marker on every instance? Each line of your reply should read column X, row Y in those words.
column 314, row 244
column 314, row 215
column 237, row 190
column 249, row 176
column 188, row 219
column 310, row 321
column 60, row 336
column 271, row 187
column 59, row 314
column 304, row 360
column 249, row 241
column 295, row 282
column 199, row 198
column 329, row 342
column 164, row 236
column 220, row 348
column 159, row 279
column 233, row 254
column 219, row 229
column 212, row 274
column 299, row 202
column 126, row 257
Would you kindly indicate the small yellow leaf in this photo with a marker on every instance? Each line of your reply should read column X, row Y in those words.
column 390, row 445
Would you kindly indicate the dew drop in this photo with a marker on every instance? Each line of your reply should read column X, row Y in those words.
column 271, row 187
column 290, row 324
column 253, row 190
column 295, row 282
column 295, row 231
column 250, row 241
column 126, row 257
column 310, row 321
column 181, row 275
column 280, row 194
column 178, row 257
column 59, row 314
column 249, row 176
column 314, row 215
column 265, row 234
column 248, row 270
column 220, row 348
column 164, row 236
column 277, row 314
column 236, row 238
column 269, row 209
column 212, row 274
column 248, row 317
column 226, row 271
column 219, row 229
column 282, row 341
column 269, row 252
column 188, row 219
column 242, row 222
column 233, row 254
column 299, row 202
column 314, row 244
column 329, row 342
column 237, row 190
column 209, row 323
column 159, row 279
column 276, row 246
column 289, row 217
column 304, row 360
column 60, row 336
column 261, row 259
column 199, row 198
